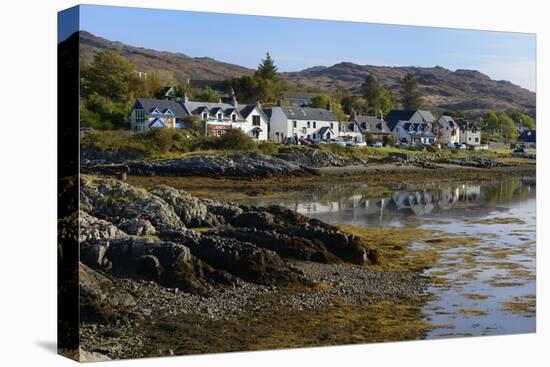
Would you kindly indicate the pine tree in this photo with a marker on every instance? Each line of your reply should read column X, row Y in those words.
column 267, row 69
column 411, row 98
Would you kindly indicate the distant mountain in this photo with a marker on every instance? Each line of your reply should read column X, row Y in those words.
column 468, row 91
column 181, row 65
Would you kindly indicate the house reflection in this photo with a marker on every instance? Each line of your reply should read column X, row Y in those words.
column 356, row 201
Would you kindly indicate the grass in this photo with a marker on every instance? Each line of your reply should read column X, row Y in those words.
column 475, row 296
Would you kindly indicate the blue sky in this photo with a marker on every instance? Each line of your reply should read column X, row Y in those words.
column 296, row 44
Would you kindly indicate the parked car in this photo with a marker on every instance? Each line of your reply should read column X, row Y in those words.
column 376, row 144
column 522, row 153
column 304, row 142
column 340, row 142
column 460, row 146
column 360, row 144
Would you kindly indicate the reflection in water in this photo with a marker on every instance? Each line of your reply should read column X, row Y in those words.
column 493, row 267
column 361, row 204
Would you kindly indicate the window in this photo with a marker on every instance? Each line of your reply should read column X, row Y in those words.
column 204, row 116
column 140, row 116
column 315, row 124
column 351, row 127
column 219, row 117
column 294, row 124
column 234, row 117
column 477, row 140
column 304, row 130
column 168, row 112
column 155, row 112
column 255, row 120
column 218, row 132
column 331, row 125
column 308, row 136
column 308, row 124
column 314, row 136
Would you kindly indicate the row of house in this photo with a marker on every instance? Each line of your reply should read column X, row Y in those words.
column 279, row 123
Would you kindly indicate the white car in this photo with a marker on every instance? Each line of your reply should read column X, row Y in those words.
column 360, row 144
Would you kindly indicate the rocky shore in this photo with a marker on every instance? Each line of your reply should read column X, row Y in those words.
column 148, row 254
column 291, row 162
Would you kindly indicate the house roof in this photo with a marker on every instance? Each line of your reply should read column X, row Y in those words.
column 196, row 108
column 308, row 113
column 324, row 130
column 162, row 105
column 445, row 121
column 426, row 115
column 417, row 129
column 157, row 123
column 467, row 125
column 246, row 110
column 370, row 124
column 528, row 136
column 394, row 116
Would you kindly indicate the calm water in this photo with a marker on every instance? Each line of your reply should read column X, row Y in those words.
column 490, row 278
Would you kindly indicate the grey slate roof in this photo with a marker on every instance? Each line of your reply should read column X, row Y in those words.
column 161, row 104
column 394, row 116
column 445, row 121
column 324, row 129
column 371, row 124
column 467, row 125
column 196, row 108
column 528, row 136
column 426, row 115
column 246, row 110
column 417, row 129
column 308, row 113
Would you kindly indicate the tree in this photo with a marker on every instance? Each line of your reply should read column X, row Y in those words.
column 324, row 101
column 267, row 68
column 265, row 85
column 208, row 95
column 411, row 98
column 377, row 97
column 112, row 76
column 389, row 140
column 509, row 131
column 355, row 104
column 526, row 121
column 491, row 121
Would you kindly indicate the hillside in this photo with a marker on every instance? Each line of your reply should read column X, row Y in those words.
column 468, row 91
column 465, row 90
column 181, row 66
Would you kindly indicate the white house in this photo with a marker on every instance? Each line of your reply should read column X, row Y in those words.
column 152, row 113
column 217, row 116
column 359, row 125
column 448, row 130
column 301, row 122
column 413, row 133
column 256, row 122
column 470, row 133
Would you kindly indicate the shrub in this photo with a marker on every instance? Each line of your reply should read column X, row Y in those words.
column 166, row 140
column 233, row 139
column 389, row 140
column 267, row 147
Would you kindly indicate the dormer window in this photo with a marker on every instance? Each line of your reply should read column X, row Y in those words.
column 168, row 112
column 219, row 117
column 155, row 111
column 233, row 117
column 204, row 116
column 351, row 127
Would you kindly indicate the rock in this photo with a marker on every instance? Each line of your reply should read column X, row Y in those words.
column 86, row 356
column 137, row 226
column 254, row 219
column 100, row 299
column 192, row 211
column 167, row 263
column 117, row 202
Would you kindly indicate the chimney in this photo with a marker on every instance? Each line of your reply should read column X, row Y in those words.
column 220, row 100
column 329, row 106
column 185, row 98
column 259, row 105
column 280, row 103
column 233, row 98
column 380, row 115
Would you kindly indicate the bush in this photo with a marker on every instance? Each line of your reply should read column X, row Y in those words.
column 389, row 140
column 166, row 140
column 233, row 139
column 267, row 147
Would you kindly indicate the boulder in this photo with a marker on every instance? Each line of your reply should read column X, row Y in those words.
column 137, row 226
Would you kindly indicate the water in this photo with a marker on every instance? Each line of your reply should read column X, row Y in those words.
column 493, row 266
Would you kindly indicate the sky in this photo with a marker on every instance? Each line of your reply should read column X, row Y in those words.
column 296, row 44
